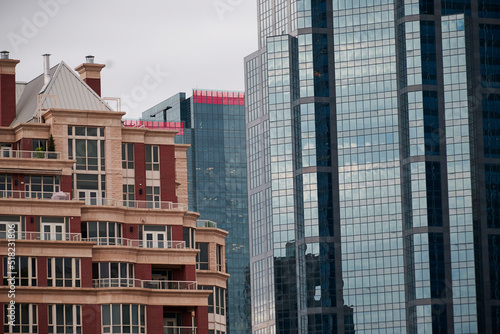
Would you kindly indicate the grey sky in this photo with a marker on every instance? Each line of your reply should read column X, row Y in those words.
column 152, row 48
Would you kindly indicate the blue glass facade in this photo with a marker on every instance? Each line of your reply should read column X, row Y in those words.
column 373, row 133
column 217, row 180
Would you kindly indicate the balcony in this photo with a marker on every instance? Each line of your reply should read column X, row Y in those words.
column 52, row 236
column 133, row 204
column 21, row 194
column 179, row 330
column 147, row 284
column 206, row 223
column 7, row 153
column 115, row 241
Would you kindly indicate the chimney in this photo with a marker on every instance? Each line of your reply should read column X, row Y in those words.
column 7, row 89
column 46, row 69
column 91, row 73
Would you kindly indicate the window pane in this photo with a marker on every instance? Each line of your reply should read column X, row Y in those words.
column 116, row 314
column 126, row 315
column 105, row 315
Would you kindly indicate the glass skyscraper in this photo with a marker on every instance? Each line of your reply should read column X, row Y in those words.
column 214, row 126
column 373, row 148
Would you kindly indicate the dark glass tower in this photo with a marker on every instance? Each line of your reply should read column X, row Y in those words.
column 373, row 133
column 214, row 126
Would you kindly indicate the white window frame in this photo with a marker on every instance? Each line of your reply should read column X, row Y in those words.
column 127, row 281
column 4, row 226
column 160, row 239
column 127, row 159
column 191, row 238
column 118, row 327
column 30, row 327
column 219, row 254
column 53, row 224
column 153, row 195
column 76, row 321
column 106, row 240
column 30, row 193
column 129, row 199
column 75, row 278
column 31, row 277
column 151, row 150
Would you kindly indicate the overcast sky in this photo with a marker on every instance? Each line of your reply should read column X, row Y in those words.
column 152, row 48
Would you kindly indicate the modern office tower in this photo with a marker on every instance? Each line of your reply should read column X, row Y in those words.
column 214, row 126
column 374, row 167
column 93, row 235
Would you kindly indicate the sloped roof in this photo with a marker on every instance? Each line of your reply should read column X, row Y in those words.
column 65, row 90
column 19, row 90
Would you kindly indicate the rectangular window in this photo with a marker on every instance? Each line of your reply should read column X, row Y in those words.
column 220, row 300
column 210, row 297
column 127, row 155
column 112, row 274
column 152, row 157
column 24, row 272
column 26, row 320
column 129, row 195
column 5, row 186
column 54, row 228
column 37, row 186
column 39, row 143
column 123, row 318
column 202, row 256
column 156, row 236
column 104, row 233
column 6, row 151
column 63, row 272
column 188, row 236
column 219, row 255
column 8, row 222
column 91, row 188
column 87, row 147
column 65, row 318
column 153, row 197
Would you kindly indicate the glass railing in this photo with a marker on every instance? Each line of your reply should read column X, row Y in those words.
column 21, row 194
column 179, row 330
column 206, row 223
column 133, row 204
column 29, row 154
column 147, row 284
column 116, row 241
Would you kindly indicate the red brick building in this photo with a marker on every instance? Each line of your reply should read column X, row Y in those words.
column 103, row 243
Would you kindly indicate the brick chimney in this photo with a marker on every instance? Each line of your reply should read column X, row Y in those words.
column 7, row 89
column 91, row 73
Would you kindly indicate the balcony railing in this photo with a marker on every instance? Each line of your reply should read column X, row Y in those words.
column 179, row 330
column 30, row 154
column 206, row 223
column 133, row 204
column 22, row 194
column 54, row 236
column 147, row 284
column 115, row 241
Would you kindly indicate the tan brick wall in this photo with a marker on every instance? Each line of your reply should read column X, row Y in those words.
column 113, row 153
column 181, row 173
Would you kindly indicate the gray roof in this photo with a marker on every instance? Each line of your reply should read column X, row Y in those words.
column 19, row 90
column 65, row 90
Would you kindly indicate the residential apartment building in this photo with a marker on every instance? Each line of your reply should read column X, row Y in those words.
column 373, row 166
column 214, row 126
column 95, row 232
